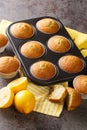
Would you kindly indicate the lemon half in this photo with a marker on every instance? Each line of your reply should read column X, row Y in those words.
column 6, row 97
column 18, row 84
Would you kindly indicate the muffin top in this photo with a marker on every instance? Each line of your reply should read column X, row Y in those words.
column 22, row 30
column 32, row 49
column 43, row 70
column 58, row 44
column 71, row 64
column 47, row 25
column 80, row 83
column 8, row 64
column 3, row 40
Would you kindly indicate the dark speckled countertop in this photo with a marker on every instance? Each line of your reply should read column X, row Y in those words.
column 72, row 13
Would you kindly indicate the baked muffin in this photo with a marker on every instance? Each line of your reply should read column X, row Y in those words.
column 47, row 25
column 58, row 44
column 71, row 64
column 3, row 42
column 58, row 93
column 32, row 49
column 80, row 84
column 43, row 70
column 8, row 67
column 73, row 99
column 22, row 30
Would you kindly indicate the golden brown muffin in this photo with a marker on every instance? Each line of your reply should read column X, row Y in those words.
column 47, row 25
column 22, row 30
column 58, row 44
column 32, row 49
column 80, row 83
column 43, row 70
column 58, row 93
column 73, row 99
column 3, row 40
column 9, row 67
column 8, row 64
column 71, row 64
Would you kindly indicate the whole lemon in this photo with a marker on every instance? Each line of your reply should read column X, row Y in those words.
column 24, row 101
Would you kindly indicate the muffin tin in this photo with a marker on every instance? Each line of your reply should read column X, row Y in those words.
column 48, row 55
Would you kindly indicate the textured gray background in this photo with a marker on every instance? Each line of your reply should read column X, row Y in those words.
column 73, row 13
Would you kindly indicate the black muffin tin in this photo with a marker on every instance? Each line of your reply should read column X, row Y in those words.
column 49, row 55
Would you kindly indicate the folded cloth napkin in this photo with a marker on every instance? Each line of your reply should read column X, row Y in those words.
column 43, row 105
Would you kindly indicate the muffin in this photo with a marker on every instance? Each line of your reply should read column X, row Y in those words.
column 8, row 67
column 58, row 44
column 47, row 25
column 80, row 84
column 58, row 93
column 3, row 42
column 32, row 49
column 73, row 99
column 22, row 30
column 43, row 70
column 71, row 64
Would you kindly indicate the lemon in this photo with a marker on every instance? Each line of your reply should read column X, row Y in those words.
column 24, row 101
column 6, row 97
column 18, row 84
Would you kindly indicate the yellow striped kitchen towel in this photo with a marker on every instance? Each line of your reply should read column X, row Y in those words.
column 43, row 105
column 3, row 25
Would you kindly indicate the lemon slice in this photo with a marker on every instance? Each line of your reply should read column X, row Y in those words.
column 6, row 97
column 18, row 84
column 24, row 101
